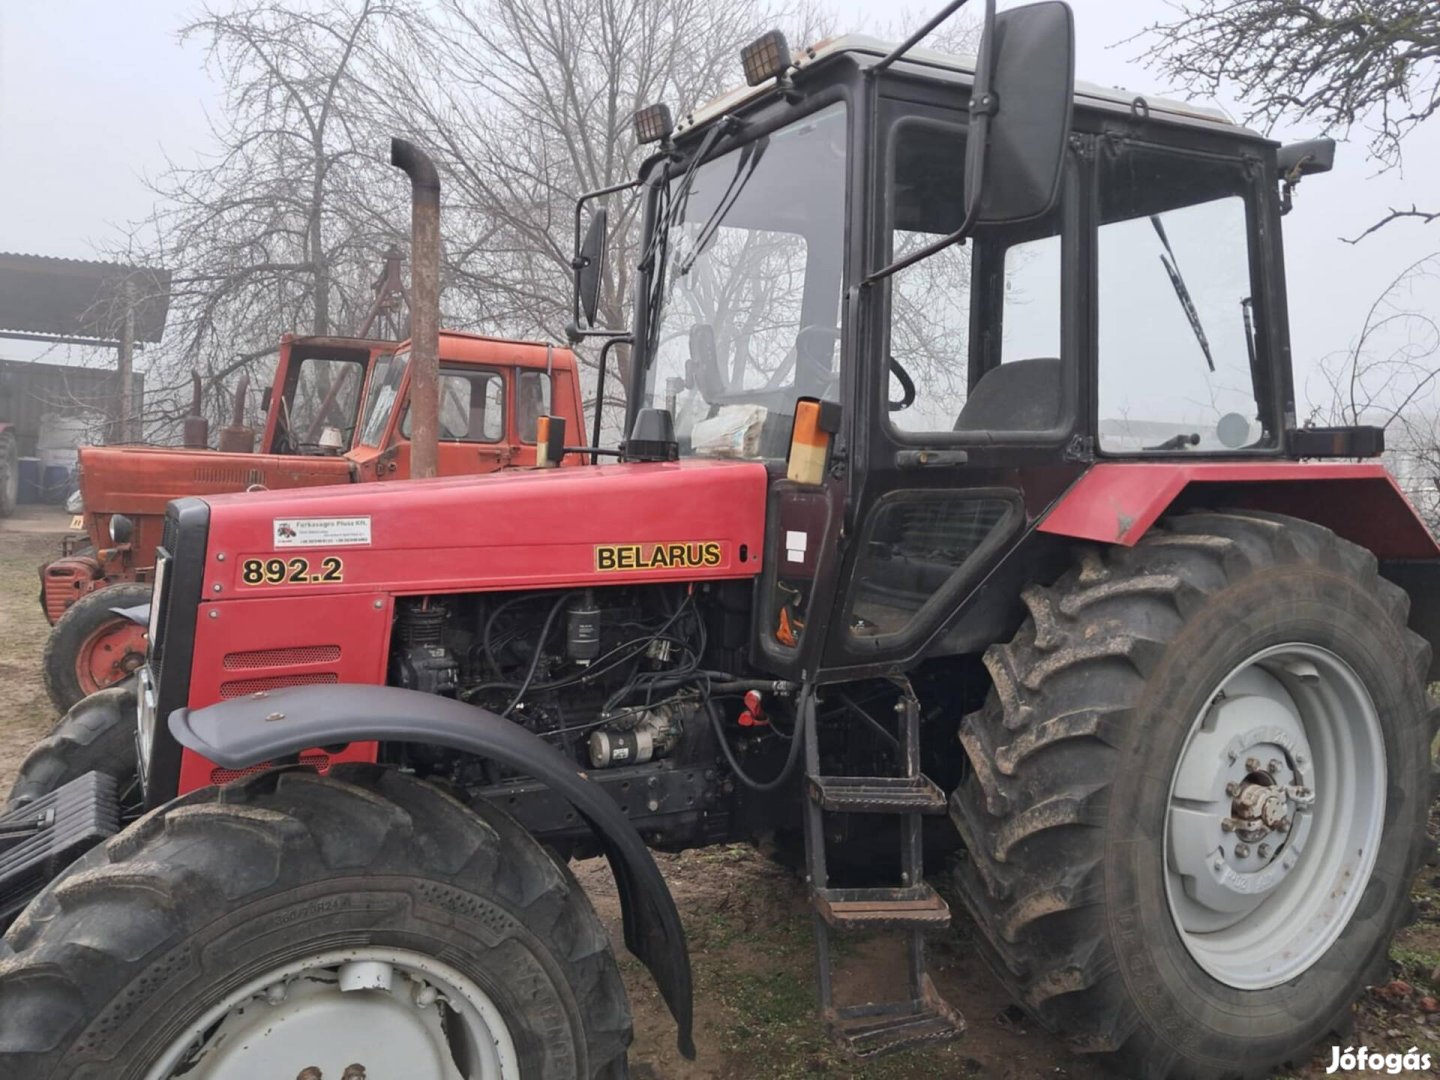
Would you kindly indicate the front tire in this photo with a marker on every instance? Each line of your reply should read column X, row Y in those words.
column 1140, row 678
column 97, row 735
column 91, row 648
column 294, row 921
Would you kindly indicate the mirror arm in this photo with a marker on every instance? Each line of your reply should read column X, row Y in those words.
column 918, row 36
column 620, row 339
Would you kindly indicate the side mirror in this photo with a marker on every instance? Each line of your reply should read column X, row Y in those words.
column 589, row 267
column 1307, row 158
column 705, row 374
column 1020, row 113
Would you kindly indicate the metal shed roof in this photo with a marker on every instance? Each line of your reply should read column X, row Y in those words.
column 72, row 298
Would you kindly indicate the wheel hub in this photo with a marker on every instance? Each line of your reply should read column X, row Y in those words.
column 1286, row 751
column 369, row 1013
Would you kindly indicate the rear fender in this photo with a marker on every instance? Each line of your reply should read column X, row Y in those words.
column 261, row 727
column 1118, row 502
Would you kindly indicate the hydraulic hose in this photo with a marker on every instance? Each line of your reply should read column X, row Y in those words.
column 786, row 771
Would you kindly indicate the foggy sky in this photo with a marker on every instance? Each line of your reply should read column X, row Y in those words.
column 95, row 93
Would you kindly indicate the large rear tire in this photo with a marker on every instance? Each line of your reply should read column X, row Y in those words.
column 1142, row 862
column 9, row 473
column 91, row 647
column 294, row 922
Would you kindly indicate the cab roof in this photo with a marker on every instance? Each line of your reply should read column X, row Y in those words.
column 867, row 50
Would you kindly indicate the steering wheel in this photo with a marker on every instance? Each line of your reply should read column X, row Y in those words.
column 907, row 387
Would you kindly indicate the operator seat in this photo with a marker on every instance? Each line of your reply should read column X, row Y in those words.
column 1023, row 395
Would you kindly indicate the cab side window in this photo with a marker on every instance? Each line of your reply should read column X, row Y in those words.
column 1179, row 363
column 974, row 328
column 472, row 407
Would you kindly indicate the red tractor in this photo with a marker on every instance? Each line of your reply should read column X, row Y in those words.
column 491, row 390
column 949, row 529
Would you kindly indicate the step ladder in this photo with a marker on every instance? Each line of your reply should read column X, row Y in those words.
column 913, row 907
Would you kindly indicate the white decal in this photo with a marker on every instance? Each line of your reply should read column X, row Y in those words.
column 321, row 532
column 795, row 544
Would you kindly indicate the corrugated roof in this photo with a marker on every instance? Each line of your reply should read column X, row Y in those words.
column 40, row 294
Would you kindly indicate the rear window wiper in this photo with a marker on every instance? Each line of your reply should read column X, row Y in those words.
column 1181, row 292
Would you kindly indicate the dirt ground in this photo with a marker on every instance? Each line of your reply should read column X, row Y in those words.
column 750, row 932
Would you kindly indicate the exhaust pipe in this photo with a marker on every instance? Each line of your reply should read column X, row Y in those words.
column 237, row 438
column 424, row 304
column 196, row 429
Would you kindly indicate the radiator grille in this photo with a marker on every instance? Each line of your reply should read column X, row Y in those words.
column 309, row 759
column 240, row 687
column 265, row 658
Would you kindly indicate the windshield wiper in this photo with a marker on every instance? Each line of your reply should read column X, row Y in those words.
column 1181, row 292
column 749, row 159
column 653, row 261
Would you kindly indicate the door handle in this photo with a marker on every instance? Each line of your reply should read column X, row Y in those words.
column 932, row 459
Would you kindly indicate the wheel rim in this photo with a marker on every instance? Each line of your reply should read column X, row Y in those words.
column 1275, row 815
column 112, row 653
column 351, row 1014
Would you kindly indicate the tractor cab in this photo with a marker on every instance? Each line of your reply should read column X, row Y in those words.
column 991, row 282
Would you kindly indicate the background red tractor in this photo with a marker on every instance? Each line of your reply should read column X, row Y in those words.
column 1077, row 612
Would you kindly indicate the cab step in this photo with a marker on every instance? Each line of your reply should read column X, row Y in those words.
column 916, row 908
column 870, row 1031
column 877, row 794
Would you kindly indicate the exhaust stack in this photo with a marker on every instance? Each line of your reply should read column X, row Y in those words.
column 196, row 428
column 236, row 438
column 424, row 304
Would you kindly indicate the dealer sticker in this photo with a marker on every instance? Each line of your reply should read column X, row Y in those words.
column 322, row 532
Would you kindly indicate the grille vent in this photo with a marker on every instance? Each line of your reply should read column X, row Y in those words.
column 299, row 654
column 240, row 687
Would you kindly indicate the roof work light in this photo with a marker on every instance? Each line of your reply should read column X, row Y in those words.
column 767, row 57
column 653, row 123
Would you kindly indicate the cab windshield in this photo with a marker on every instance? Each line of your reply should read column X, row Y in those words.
column 384, row 386
column 748, row 320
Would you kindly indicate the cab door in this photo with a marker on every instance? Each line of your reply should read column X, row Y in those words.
column 966, row 419
column 474, row 435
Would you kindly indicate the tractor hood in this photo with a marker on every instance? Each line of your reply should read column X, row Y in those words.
column 517, row 529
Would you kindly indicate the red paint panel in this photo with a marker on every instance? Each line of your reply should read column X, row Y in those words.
column 346, row 637
column 1118, row 502
column 517, row 529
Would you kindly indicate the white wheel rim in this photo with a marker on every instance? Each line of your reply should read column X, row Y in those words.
column 1275, row 815
column 348, row 1014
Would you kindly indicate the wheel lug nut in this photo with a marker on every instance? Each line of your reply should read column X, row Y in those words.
column 1252, row 764
column 1226, row 825
column 1242, row 851
column 1232, row 789
column 1219, row 865
column 1274, row 765
column 1283, row 825
column 1263, row 851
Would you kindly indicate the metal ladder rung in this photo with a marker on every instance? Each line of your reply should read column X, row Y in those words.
column 877, row 794
column 916, row 908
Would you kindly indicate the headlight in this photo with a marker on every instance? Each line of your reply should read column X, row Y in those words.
column 121, row 529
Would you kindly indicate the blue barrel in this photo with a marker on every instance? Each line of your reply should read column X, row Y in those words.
column 56, row 484
column 30, row 480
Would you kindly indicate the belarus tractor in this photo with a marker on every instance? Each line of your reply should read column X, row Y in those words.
column 962, row 526
column 337, row 412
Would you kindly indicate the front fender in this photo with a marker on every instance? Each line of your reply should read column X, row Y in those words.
column 245, row 731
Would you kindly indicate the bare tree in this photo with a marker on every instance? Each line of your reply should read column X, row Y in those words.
column 281, row 227
column 1337, row 63
column 527, row 103
column 1389, row 377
